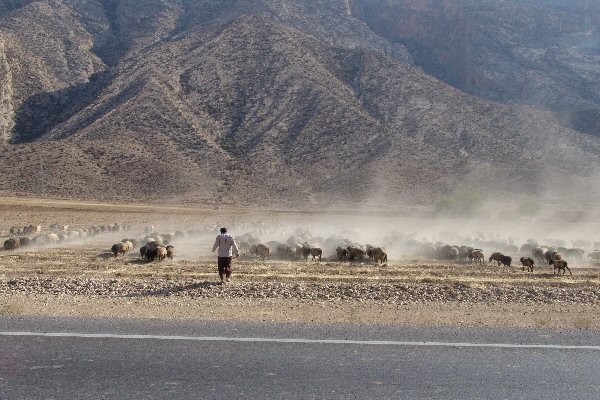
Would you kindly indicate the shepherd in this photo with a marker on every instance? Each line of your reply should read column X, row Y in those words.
column 227, row 251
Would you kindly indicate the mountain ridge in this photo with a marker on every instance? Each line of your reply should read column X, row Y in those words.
column 205, row 102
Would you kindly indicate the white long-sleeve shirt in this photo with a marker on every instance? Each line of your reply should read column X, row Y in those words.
column 226, row 245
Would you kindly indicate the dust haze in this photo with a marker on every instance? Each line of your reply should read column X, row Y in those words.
column 406, row 236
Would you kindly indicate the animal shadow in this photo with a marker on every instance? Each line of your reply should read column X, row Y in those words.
column 105, row 256
column 138, row 261
column 176, row 288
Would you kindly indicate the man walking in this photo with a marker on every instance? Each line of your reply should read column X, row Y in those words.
column 227, row 250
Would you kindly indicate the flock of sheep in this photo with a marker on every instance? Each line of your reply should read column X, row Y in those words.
column 302, row 245
column 34, row 235
column 156, row 246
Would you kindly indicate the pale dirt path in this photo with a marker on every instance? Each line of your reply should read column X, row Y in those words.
column 322, row 312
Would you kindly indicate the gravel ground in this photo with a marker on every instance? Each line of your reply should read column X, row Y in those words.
column 84, row 279
column 396, row 293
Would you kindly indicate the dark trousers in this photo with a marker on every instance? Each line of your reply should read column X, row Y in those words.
column 225, row 267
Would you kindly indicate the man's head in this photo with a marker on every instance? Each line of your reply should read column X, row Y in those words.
column 223, row 230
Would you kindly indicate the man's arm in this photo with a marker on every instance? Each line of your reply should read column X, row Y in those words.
column 234, row 247
column 216, row 245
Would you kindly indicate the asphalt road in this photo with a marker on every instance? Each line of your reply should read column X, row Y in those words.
column 194, row 360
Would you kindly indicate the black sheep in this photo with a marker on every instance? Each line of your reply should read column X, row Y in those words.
column 143, row 251
column 151, row 254
column 505, row 260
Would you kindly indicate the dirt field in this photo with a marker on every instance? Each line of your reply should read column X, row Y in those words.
column 84, row 279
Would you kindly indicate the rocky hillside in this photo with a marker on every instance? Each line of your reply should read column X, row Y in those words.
column 541, row 53
column 291, row 102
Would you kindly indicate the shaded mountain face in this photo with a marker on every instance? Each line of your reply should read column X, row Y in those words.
column 282, row 102
column 435, row 32
column 540, row 53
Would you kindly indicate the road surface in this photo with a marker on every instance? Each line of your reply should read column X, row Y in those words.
column 62, row 358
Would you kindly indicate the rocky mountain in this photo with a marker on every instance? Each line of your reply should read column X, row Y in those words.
column 541, row 53
column 293, row 102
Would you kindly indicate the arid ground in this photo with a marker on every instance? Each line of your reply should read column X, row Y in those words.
column 83, row 278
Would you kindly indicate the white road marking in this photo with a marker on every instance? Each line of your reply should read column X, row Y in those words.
column 46, row 367
column 295, row 340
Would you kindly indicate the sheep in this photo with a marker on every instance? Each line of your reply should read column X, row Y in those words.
column 527, row 262
column 428, row 250
column 52, row 238
column 171, row 252
column 370, row 252
column 355, row 252
column 476, row 255
column 558, row 265
column 538, row 254
column 151, row 253
column 554, row 256
column 316, row 252
column 527, row 248
column 305, row 252
column 156, row 238
column 117, row 249
column 448, row 252
column 161, row 253
column 273, row 244
column 464, row 253
column 261, row 250
column 495, row 257
column 24, row 242
column 12, row 244
column 379, row 255
column 299, row 249
column 143, row 251
column 286, row 252
column 342, row 253
column 152, row 244
column 504, row 260
column 134, row 242
column 549, row 255
column 32, row 229
column 126, row 247
column 575, row 254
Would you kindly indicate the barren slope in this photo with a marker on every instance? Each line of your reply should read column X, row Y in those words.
column 256, row 103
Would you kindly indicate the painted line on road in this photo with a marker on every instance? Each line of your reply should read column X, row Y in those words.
column 295, row 341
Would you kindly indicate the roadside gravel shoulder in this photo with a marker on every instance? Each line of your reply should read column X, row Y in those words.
column 320, row 310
